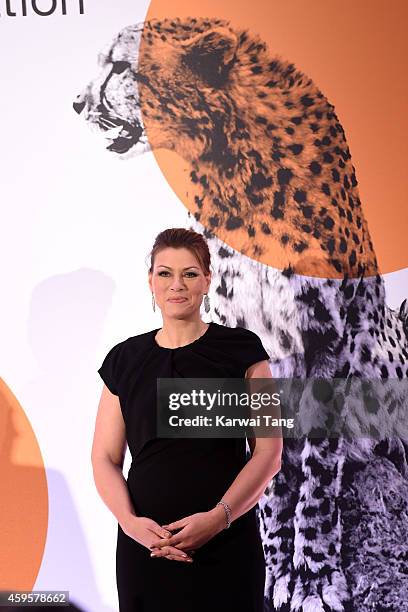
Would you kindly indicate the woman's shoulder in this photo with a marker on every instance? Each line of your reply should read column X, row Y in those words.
column 140, row 338
column 234, row 332
column 130, row 344
column 241, row 343
column 121, row 357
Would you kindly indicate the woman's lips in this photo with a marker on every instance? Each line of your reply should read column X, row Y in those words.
column 177, row 300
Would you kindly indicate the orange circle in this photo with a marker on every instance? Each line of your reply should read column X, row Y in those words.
column 24, row 507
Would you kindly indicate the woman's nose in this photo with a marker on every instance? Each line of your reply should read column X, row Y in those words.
column 177, row 283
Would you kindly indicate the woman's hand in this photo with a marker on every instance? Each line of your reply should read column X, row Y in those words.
column 146, row 531
column 195, row 530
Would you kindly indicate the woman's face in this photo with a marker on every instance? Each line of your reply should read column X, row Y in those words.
column 177, row 274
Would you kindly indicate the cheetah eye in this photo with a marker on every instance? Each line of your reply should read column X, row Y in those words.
column 141, row 78
column 119, row 67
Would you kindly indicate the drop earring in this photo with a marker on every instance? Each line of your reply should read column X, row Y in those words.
column 153, row 303
column 206, row 303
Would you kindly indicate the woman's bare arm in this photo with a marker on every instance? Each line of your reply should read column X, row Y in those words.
column 251, row 482
column 108, row 454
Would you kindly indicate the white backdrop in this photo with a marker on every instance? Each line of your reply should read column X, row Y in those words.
column 74, row 277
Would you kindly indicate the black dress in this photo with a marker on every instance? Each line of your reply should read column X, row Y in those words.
column 172, row 478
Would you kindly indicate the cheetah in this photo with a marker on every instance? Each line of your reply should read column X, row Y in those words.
column 273, row 189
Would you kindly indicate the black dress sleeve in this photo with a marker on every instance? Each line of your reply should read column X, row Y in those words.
column 253, row 350
column 109, row 369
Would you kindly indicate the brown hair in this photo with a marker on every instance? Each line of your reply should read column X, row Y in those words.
column 179, row 237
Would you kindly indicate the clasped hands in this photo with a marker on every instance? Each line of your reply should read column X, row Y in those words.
column 195, row 530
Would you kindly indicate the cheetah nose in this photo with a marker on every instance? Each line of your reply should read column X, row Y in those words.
column 79, row 106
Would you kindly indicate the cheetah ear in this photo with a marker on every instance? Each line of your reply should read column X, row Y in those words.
column 211, row 54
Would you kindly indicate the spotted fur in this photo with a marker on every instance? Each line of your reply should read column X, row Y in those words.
column 274, row 191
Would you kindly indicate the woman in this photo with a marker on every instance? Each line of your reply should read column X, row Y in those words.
column 187, row 534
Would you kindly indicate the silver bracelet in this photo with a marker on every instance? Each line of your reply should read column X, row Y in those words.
column 227, row 512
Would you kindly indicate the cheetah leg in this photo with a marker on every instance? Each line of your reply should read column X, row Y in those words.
column 320, row 584
column 277, row 507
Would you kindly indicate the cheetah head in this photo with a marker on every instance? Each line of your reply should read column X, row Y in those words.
column 269, row 166
column 167, row 76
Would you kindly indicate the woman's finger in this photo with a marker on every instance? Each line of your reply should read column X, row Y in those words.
column 170, row 551
column 172, row 541
column 162, row 533
column 176, row 558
